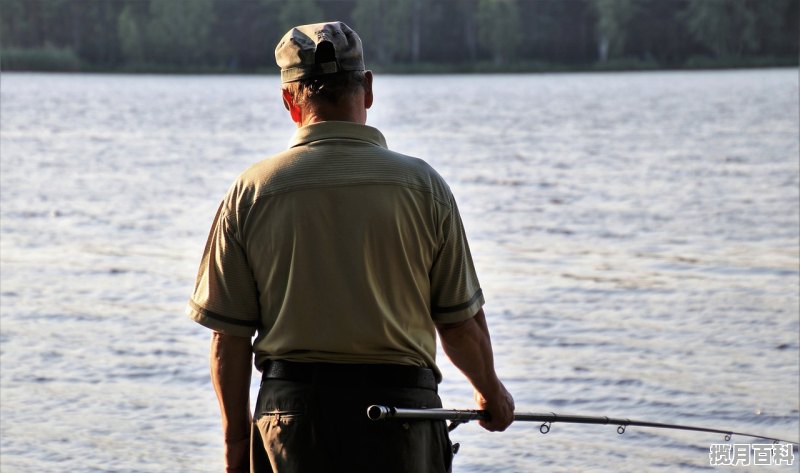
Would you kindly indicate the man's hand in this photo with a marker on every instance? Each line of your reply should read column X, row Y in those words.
column 500, row 407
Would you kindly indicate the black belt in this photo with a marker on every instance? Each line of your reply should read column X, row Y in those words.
column 399, row 376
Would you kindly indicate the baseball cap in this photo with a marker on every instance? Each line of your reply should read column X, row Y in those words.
column 318, row 49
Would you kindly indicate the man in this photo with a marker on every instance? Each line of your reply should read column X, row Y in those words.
column 343, row 259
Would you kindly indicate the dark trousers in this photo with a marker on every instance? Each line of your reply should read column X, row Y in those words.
column 314, row 426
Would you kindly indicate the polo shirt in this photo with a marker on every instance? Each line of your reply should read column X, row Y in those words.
column 337, row 250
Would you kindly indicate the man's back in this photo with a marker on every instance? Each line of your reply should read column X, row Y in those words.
column 343, row 238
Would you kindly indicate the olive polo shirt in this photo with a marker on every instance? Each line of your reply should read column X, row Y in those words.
column 337, row 250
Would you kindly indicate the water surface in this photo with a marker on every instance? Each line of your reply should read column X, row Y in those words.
column 636, row 236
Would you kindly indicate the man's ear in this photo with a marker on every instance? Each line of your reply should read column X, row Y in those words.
column 288, row 102
column 368, row 89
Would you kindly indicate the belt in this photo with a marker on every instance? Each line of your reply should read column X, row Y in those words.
column 399, row 376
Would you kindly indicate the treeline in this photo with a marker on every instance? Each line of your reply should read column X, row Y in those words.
column 400, row 35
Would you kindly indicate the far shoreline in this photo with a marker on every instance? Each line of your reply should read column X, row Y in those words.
column 697, row 63
column 382, row 72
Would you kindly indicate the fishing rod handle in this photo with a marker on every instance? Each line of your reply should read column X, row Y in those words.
column 376, row 412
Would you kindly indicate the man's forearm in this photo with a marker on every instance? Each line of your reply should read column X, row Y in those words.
column 231, row 367
column 469, row 347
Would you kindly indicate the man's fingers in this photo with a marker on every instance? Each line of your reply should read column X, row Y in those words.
column 496, row 425
column 497, row 419
column 499, row 409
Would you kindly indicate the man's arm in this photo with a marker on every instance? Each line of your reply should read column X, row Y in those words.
column 469, row 347
column 231, row 366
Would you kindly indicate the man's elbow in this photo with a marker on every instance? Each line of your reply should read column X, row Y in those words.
column 456, row 326
column 452, row 326
column 226, row 342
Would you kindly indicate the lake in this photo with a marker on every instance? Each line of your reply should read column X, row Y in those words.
column 636, row 236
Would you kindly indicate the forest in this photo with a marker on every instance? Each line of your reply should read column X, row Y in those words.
column 239, row 36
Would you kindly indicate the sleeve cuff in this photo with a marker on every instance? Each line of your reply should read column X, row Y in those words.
column 221, row 323
column 459, row 312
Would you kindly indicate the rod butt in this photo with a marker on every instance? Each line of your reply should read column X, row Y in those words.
column 378, row 412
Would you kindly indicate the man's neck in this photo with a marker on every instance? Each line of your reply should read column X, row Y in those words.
column 344, row 111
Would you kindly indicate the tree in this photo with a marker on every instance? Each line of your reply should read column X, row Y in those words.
column 390, row 30
column 613, row 23
column 241, row 34
column 244, row 33
column 559, row 31
column 130, row 37
column 725, row 27
column 499, row 29
column 16, row 29
column 776, row 26
column 299, row 12
column 469, row 31
column 368, row 20
column 656, row 33
column 178, row 31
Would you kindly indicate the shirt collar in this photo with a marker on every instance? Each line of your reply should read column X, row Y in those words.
column 337, row 130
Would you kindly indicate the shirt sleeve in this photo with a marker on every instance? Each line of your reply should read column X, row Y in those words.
column 455, row 291
column 225, row 297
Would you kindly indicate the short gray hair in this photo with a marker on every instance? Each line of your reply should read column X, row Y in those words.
column 330, row 88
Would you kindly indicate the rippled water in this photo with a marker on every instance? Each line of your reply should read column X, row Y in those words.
column 636, row 236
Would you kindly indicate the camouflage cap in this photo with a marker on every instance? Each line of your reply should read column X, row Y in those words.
column 318, row 49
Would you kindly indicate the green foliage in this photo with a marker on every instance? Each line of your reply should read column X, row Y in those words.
column 369, row 19
column 129, row 30
column 728, row 62
column 299, row 12
column 626, row 64
column 401, row 35
column 725, row 27
column 177, row 32
column 389, row 30
column 613, row 23
column 15, row 26
column 499, row 29
column 244, row 33
column 48, row 58
column 777, row 28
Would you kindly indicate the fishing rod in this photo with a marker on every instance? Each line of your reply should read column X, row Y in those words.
column 460, row 416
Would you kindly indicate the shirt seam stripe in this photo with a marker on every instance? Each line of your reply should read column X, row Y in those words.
column 456, row 308
column 222, row 318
